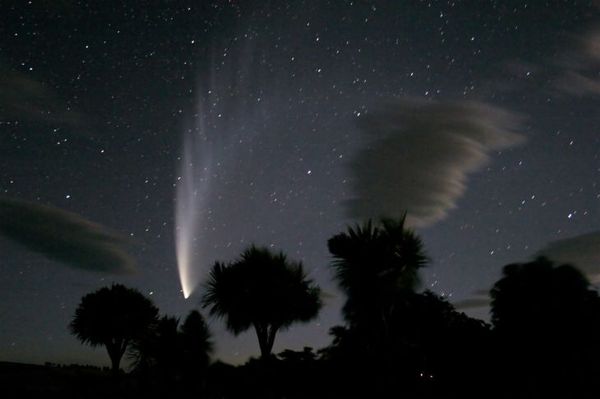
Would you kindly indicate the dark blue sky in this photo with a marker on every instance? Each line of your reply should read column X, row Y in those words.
column 303, row 110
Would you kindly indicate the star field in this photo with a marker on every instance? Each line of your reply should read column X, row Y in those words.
column 95, row 102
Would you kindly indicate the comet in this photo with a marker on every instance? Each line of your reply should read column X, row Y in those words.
column 210, row 149
column 191, row 204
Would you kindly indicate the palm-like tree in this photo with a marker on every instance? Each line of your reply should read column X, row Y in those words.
column 261, row 290
column 373, row 264
column 113, row 317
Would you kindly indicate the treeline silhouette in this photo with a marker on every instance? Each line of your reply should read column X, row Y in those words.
column 543, row 340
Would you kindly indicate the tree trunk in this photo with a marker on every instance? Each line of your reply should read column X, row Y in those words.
column 272, row 331
column 116, row 349
column 266, row 339
column 261, row 334
column 115, row 358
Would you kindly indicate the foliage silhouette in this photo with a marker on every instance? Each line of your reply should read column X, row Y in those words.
column 197, row 347
column 396, row 340
column 372, row 263
column 547, row 322
column 157, row 351
column 261, row 290
column 532, row 296
column 113, row 317
column 424, row 331
column 169, row 352
column 376, row 265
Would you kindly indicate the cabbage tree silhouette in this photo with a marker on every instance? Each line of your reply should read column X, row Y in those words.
column 113, row 317
column 262, row 290
column 372, row 264
column 377, row 266
column 547, row 321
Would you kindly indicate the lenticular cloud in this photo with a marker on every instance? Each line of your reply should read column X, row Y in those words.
column 419, row 155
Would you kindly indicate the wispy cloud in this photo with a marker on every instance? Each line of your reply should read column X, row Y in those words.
column 570, row 71
column 64, row 236
column 473, row 303
column 581, row 251
column 579, row 67
column 420, row 154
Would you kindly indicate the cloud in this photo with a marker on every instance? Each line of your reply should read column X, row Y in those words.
column 64, row 237
column 577, row 84
column 581, row 251
column 473, row 303
column 579, row 70
column 568, row 72
column 419, row 156
column 478, row 299
column 482, row 292
column 580, row 65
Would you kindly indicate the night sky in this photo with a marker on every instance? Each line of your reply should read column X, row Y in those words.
column 480, row 118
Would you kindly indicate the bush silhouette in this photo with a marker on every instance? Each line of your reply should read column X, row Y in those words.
column 547, row 322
